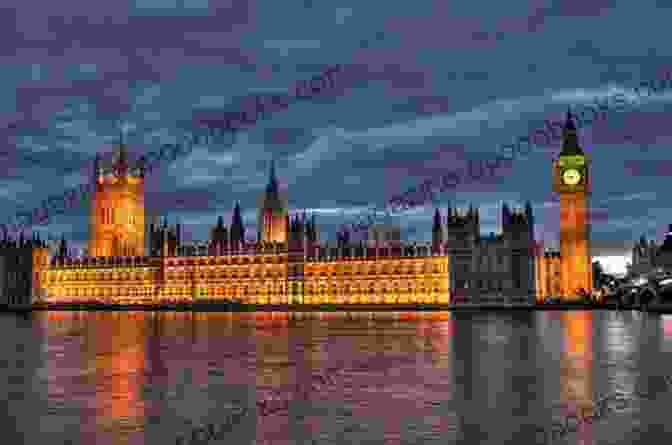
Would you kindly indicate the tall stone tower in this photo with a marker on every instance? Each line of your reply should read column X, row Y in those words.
column 117, row 219
column 273, row 214
column 571, row 181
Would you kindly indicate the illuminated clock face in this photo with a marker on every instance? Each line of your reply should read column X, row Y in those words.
column 571, row 177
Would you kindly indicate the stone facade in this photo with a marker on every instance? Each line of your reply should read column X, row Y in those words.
column 257, row 274
column 492, row 265
column 289, row 265
column 117, row 218
column 22, row 266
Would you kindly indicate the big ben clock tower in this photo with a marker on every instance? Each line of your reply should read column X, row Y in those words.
column 571, row 182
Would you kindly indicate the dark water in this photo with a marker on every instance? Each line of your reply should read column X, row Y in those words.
column 398, row 378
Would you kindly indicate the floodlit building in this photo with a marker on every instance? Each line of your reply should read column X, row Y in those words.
column 288, row 264
column 566, row 272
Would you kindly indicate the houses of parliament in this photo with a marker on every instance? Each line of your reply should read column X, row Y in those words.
column 288, row 264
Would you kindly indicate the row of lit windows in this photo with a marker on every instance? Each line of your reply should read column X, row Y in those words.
column 110, row 216
column 279, row 259
column 332, row 290
column 94, row 292
column 231, row 261
column 222, row 275
column 249, row 273
column 391, row 269
column 95, row 276
column 247, row 295
column 212, row 275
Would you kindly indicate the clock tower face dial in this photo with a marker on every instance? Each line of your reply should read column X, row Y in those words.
column 571, row 176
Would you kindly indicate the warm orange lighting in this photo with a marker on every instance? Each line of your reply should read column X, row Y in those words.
column 156, row 279
column 578, row 333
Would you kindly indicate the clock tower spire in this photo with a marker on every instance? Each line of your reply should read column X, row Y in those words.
column 571, row 182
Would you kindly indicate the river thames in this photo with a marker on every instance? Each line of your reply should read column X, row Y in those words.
column 339, row 378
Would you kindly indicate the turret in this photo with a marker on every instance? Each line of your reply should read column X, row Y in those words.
column 237, row 232
column 437, row 232
column 142, row 166
column 506, row 215
column 97, row 169
column 272, row 217
column 313, row 229
column 530, row 218
column 63, row 248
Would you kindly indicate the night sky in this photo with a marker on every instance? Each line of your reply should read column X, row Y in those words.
column 425, row 86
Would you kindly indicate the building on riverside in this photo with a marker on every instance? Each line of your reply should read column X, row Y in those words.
column 288, row 264
column 566, row 272
column 21, row 265
column 487, row 265
column 294, row 267
column 651, row 256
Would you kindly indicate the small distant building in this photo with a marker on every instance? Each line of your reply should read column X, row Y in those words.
column 649, row 256
column 663, row 258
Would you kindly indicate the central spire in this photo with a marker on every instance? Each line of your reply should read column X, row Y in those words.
column 121, row 158
column 272, row 186
column 272, row 199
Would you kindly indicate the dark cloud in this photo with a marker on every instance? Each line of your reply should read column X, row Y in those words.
column 424, row 104
column 424, row 90
column 283, row 136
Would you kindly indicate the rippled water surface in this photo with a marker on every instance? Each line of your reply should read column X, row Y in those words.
column 345, row 378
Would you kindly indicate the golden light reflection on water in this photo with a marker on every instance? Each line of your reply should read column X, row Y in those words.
column 576, row 367
column 410, row 377
column 122, row 353
column 117, row 352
